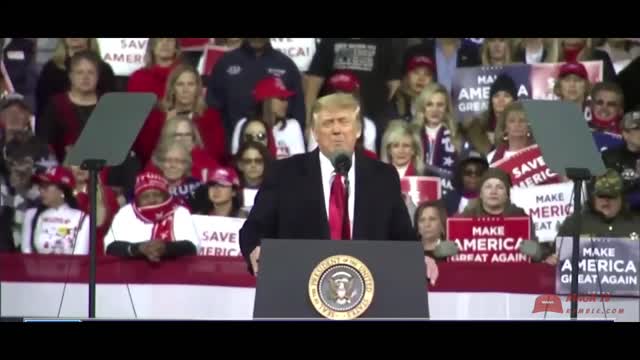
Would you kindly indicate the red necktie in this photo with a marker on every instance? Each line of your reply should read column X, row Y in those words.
column 339, row 229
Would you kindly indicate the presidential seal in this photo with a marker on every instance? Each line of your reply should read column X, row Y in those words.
column 341, row 287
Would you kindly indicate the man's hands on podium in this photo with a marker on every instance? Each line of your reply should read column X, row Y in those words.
column 254, row 257
column 432, row 269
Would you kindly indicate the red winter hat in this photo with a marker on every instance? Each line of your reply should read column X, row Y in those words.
column 58, row 175
column 421, row 61
column 574, row 68
column 150, row 180
column 225, row 176
column 271, row 87
column 344, row 80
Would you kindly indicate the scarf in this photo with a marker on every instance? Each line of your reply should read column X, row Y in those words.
column 411, row 170
column 612, row 125
column 500, row 150
column 161, row 216
column 440, row 160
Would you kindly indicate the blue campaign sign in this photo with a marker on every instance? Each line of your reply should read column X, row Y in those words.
column 606, row 266
column 471, row 86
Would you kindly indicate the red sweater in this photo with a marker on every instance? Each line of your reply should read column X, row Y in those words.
column 152, row 79
column 209, row 125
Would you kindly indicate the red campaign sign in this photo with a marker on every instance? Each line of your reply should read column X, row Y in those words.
column 421, row 188
column 489, row 240
column 528, row 168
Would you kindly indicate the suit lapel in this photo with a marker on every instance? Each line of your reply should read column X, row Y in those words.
column 316, row 206
column 360, row 201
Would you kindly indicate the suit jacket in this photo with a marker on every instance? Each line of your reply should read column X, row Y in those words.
column 290, row 203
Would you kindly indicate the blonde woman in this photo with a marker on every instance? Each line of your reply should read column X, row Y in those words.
column 512, row 133
column 402, row 148
column 581, row 49
column 184, row 96
column 181, row 129
column 536, row 50
column 162, row 56
column 54, row 77
column 496, row 51
column 438, row 131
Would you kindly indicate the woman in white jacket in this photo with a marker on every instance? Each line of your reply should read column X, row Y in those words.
column 56, row 226
column 153, row 226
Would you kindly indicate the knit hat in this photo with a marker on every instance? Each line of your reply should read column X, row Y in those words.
column 503, row 82
column 150, row 180
column 608, row 185
column 497, row 173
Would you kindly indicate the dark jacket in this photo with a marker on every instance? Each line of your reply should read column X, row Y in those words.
column 608, row 71
column 290, row 203
column 20, row 61
column 54, row 80
column 235, row 75
column 596, row 225
column 628, row 80
column 626, row 164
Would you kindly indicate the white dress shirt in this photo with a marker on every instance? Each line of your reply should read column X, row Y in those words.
column 326, row 169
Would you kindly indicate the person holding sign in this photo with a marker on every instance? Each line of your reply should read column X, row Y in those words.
column 220, row 195
column 606, row 215
column 303, row 197
column 174, row 161
column 494, row 199
column 480, row 131
column 402, row 148
column 153, row 226
column 439, row 133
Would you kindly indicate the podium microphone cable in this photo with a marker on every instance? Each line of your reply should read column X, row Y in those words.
column 133, row 306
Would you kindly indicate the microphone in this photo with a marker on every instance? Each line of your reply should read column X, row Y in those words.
column 341, row 161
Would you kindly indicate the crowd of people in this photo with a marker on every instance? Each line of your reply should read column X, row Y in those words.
column 211, row 139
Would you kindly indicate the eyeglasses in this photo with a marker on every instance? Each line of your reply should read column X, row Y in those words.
column 255, row 137
column 248, row 161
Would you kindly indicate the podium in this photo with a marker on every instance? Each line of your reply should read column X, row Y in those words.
column 341, row 280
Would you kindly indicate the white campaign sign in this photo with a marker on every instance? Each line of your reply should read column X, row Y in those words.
column 548, row 206
column 125, row 55
column 219, row 235
column 300, row 50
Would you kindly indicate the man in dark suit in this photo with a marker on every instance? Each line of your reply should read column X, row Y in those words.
column 302, row 197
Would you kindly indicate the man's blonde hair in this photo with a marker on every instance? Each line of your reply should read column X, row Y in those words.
column 341, row 101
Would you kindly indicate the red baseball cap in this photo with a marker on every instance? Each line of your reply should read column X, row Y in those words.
column 58, row 175
column 225, row 176
column 421, row 61
column 344, row 80
column 150, row 180
column 574, row 68
column 271, row 87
